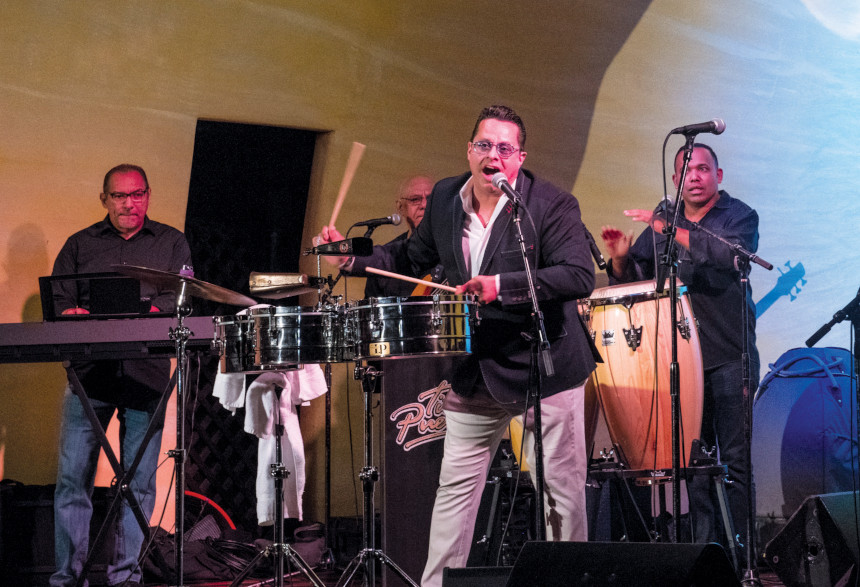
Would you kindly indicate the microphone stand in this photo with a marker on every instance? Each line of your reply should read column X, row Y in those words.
column 751, row 574
column 743, row 258
column 669, row 262
column 850, row 311
column 540, row 349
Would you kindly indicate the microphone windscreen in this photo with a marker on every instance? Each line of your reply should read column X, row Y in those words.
column 498, row 179
column 719, row 126
column 396, row 219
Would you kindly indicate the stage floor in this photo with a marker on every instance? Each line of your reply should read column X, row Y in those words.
column 330, row 579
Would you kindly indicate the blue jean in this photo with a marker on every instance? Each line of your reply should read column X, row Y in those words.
column 79, row 450
column 723, row 426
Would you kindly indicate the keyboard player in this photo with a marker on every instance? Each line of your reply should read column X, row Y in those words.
column 131, row 388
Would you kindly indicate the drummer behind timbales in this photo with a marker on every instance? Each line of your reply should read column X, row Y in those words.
column 131, row 388
column 707, row 268
column 411, row 202
column 468, row 227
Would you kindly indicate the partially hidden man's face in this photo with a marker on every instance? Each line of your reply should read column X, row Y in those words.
column 413, row 200
column 126, row 201
column 484, row 166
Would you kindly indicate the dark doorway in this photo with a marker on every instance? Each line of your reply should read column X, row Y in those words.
column 246, row 202
column 246, row 210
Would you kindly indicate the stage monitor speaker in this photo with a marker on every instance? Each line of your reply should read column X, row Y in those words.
column 476, row 577
column 818, row 545
column 557, row 564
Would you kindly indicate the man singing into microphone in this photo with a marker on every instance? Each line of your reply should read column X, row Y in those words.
column 707, row 268
column 469, row 228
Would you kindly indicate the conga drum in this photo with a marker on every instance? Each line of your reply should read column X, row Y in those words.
column 630, row 324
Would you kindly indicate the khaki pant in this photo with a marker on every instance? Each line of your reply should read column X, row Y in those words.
column 471, row 441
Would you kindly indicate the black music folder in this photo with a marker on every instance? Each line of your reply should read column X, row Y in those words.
column 105, row 295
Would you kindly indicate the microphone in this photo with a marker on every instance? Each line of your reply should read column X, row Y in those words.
column 595, row 252
column 501, row 182
column 351, row 247
column 715, row 126
column 393, row 219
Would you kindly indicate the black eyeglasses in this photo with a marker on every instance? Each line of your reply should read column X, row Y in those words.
column 504, row 150
column 136, row 195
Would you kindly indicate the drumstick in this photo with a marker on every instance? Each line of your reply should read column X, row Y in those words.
column 384, row 273
column 351, row 165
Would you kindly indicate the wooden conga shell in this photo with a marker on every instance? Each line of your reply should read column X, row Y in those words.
column 633, row 384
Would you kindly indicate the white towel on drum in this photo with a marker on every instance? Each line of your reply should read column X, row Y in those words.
column 298, row 387
column 230, row 388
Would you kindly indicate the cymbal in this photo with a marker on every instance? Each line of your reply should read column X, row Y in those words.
column 281, row 285
column 194, row 287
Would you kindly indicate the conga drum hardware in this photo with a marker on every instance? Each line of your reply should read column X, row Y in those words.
column 633, row 336
column 684, row 328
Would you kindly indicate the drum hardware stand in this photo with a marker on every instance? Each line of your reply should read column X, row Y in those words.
column 327, row 560
column 324, row 295
column 540, row 349
column 279, row 549
column 368, row 556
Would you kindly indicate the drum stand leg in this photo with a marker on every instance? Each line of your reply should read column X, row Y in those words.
column 279, row 549
column 367, row 558
column 327, row 560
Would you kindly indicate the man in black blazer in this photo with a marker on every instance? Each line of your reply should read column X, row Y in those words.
column 469, row 229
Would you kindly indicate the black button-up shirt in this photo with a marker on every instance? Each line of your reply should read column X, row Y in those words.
column 708, row 271
column 131, row 383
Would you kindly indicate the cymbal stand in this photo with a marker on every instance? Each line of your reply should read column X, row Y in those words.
column 279, row 548
column 368, row 556
column 180, row 335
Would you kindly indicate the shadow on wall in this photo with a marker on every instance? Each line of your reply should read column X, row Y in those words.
column 30, row 393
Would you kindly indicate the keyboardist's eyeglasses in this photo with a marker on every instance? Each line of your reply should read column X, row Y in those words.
column 136, row 196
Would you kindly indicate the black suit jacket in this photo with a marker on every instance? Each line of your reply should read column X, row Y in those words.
column 557, row 249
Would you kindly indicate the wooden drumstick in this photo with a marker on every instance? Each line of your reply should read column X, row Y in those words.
column 351, row 165
column 384, row 273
